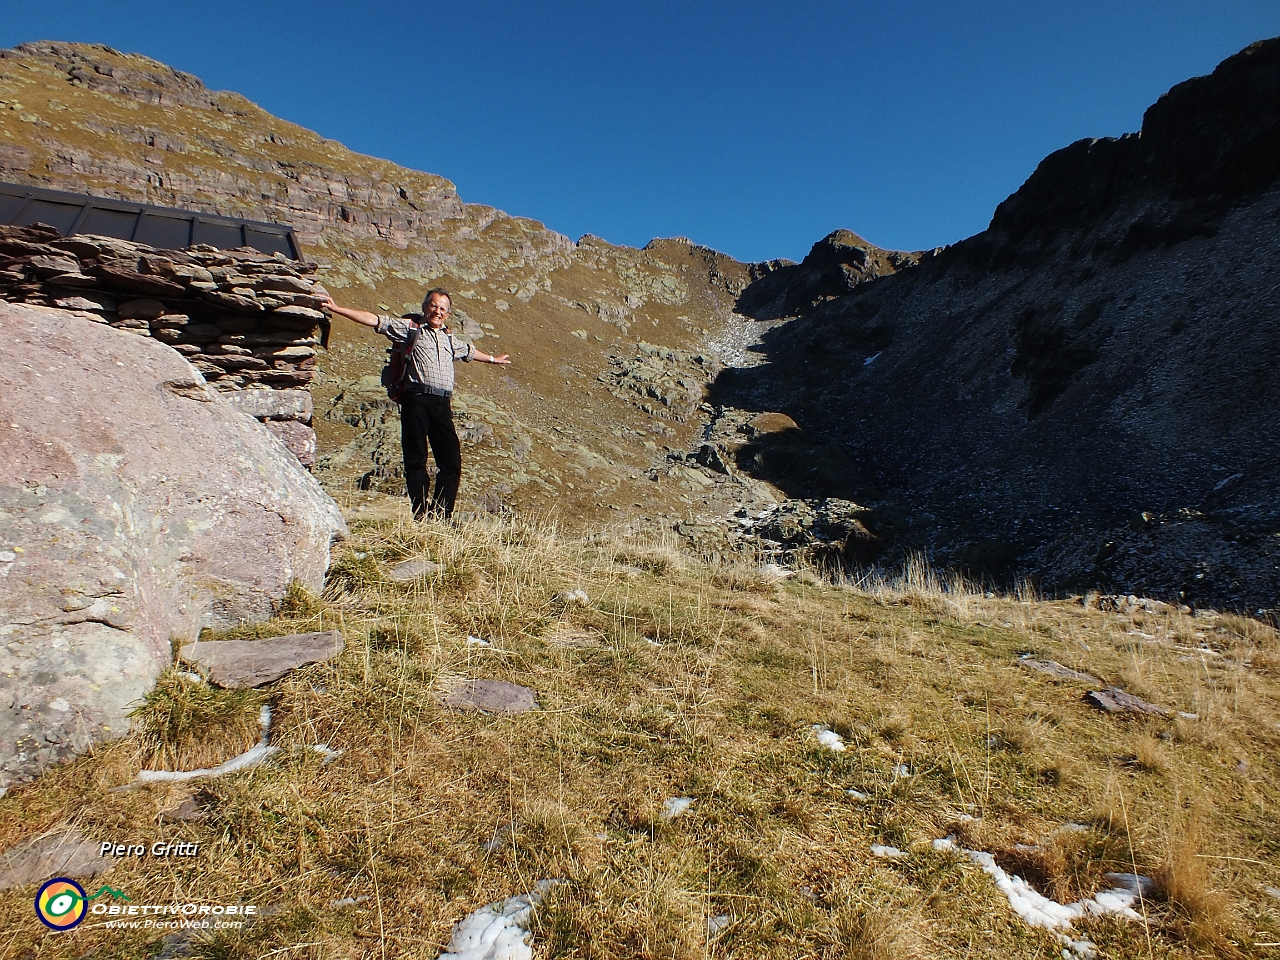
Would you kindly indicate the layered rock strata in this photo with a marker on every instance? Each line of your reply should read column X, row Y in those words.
column 245, row 320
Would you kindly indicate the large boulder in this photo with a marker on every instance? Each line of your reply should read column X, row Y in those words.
column 136, row 506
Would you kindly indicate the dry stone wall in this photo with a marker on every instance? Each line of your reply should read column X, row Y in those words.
column 248, row 321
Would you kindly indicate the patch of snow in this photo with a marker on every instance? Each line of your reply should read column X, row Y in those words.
column 675, row 806
column 716, row 924
column 652, row 642
column 497, row 931
column 1188, row 716
column 251, row 757
column 327, row 752
column 347, row 902
column 572, row 597
column 1272, row 892
column 829, row 738
column 776, row 571
column 1080, row 949
column 1075, row 827
column 189, row 676
column 474, row 641
column 1039, row 911
column 857, row 795
column 1222, row 483
column 871, row 359
column 900, row 771
column 888, row 853
column 264, row 721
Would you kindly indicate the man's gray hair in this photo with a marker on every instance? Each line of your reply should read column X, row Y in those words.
column 437, row 291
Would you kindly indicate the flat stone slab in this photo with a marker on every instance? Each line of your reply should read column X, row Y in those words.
column 1115, row 700
column 273, row 404
column 189, row 809
column 65, row 854
column 1059, row 672
column 412, row 570
column 491, row 696
column 252, row 663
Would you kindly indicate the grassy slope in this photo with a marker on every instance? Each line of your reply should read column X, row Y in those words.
column 720, row 710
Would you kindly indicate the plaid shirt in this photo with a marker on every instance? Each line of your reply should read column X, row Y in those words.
column 431, row 363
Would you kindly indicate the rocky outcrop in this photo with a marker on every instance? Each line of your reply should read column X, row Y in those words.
column 1080, row 392
column 136, row 507
column 836, row 266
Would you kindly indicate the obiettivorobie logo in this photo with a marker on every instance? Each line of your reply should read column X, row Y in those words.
column 62, row 903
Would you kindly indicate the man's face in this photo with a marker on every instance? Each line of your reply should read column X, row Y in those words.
column 436, row 311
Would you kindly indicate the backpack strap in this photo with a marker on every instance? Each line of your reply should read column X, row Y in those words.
column 409, row 344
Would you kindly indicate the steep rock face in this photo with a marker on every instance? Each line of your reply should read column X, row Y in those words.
column 136, row 506
column 1205, row 146
column 1085, row 389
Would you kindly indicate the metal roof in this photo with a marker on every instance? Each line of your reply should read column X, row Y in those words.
column 162, row 227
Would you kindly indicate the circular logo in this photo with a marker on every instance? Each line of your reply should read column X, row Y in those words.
column 61, row 903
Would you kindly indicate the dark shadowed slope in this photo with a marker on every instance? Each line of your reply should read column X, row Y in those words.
column 1089, row 390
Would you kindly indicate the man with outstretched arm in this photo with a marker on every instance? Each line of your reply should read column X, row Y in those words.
column 426, row 413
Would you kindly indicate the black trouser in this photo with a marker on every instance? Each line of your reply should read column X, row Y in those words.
column 424, row 418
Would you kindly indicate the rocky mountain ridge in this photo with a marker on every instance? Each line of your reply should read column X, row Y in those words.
column 1086, row 389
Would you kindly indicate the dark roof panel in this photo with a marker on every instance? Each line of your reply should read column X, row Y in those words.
column 55, row 213
column 162, row 227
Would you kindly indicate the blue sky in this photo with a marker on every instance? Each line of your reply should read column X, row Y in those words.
column 754, row 128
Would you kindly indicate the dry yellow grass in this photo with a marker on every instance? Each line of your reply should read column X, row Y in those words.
column 678, row 678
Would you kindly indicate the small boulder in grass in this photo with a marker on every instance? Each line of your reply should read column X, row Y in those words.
column 572, row 598
column 235, row 664
column 411, row 570
column 1058, row 671
column 1115, row 700
column 491, row 696
column 62, row 854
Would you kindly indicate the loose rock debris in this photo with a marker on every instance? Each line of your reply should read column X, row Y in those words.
column 411, row 570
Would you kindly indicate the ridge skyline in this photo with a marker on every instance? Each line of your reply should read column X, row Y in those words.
column 629, row 130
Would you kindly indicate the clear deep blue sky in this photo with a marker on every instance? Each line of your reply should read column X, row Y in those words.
column 755, row 128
